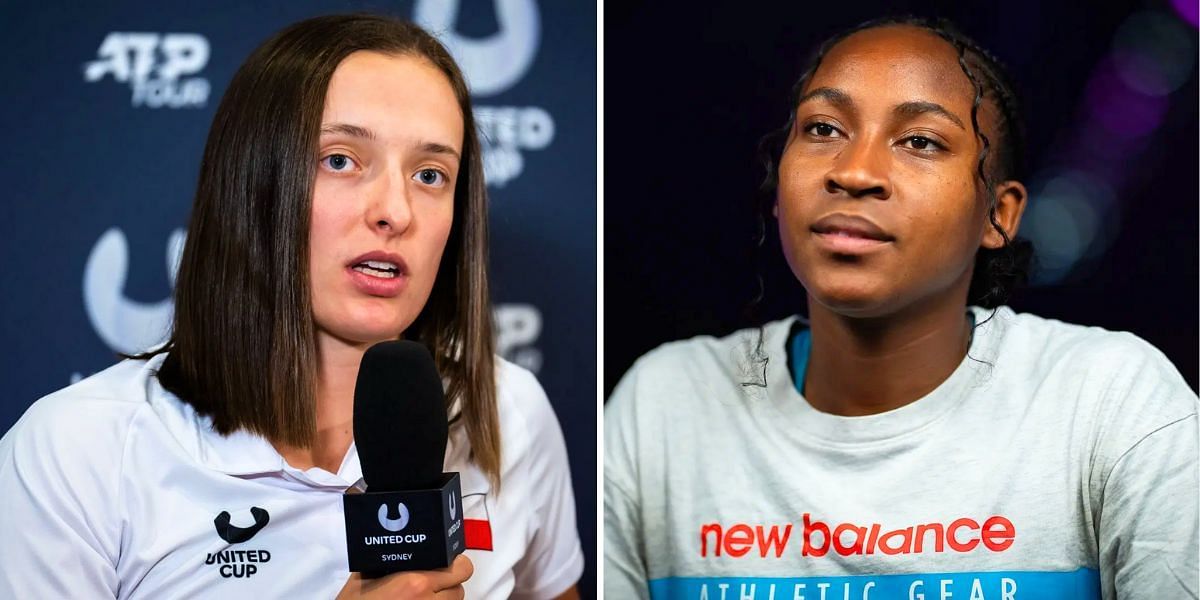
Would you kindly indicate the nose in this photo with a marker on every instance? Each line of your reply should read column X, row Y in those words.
column 389, row 210
column 861, row 170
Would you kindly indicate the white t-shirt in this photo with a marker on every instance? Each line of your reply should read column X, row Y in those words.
column 1056, row 461
column 115, row 488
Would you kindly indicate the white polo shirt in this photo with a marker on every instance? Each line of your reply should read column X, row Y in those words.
column 113, row 487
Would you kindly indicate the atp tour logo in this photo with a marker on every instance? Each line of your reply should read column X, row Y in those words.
column 154, row 66
column 129, row 326
column 397, row 524
column 493, row 65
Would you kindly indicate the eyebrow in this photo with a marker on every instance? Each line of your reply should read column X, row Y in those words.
column 348, row 129
column 436, row 148
column 362, row 132
column 834, row 96
column 913, row 108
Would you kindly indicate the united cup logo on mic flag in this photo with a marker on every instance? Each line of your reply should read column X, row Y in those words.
column 393, row 524
column 453, row 508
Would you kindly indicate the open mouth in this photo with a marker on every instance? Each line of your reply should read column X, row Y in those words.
column 378, row 268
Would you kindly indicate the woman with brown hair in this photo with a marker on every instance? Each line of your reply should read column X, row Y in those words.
column 340, row 203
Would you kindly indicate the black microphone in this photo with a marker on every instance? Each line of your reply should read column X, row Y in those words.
column 410, row 517
column 400, row 426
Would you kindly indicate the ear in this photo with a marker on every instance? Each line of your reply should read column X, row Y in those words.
column 1011, row 197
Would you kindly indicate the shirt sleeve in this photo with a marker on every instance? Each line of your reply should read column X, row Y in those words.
column 1149, row 526
column 59, row 533
column 553, row 561
column 624, row 564
column 1149, row 520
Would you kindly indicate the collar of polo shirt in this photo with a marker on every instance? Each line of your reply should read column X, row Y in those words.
column 241, row 453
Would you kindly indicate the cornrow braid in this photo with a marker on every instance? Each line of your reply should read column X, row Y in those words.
column 997, row 272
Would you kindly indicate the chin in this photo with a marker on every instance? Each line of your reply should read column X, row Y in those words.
column 358, row 334
column 369, row 328
column 850, row 295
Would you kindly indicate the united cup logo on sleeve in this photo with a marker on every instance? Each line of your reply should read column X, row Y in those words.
column 493, row 65
column 156, row 67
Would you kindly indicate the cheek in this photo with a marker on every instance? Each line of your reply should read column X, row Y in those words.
column 943, row 221
column 794, row 201
column 436, row 222
column 946, row 211
column 329, row 222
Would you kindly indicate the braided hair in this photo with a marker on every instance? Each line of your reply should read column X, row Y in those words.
column 999, row 271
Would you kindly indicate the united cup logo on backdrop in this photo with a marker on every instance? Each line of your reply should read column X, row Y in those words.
column 156, row 66
column 493, row 65
column 126, row 325
column 162, row 70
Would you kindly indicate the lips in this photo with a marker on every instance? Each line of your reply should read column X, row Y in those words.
column 849, row 226
column 847, row 235
column 378, row 273
column 379, row 264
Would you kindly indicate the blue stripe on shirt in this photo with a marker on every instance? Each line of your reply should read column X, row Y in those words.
column 998, row 585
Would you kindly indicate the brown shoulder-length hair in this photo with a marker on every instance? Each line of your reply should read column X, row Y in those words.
column 242, row 349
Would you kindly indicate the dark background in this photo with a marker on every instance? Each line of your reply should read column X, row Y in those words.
column 1110, row 102
column 82, row 159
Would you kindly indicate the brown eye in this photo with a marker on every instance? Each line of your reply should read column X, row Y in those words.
column 918, row 142
column 821, row 130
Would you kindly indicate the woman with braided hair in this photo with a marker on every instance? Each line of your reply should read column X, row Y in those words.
column 912, row 437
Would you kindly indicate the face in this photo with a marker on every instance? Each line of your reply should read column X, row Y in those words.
column 879, row 205
column 383, row 199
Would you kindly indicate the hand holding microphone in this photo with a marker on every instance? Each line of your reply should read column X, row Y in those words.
column 410, row 517
column 440, row 584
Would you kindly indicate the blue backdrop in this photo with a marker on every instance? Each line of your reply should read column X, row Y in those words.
column 107, row 110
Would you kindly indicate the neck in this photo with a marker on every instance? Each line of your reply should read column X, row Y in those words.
column 337, row 372
column 867, row 366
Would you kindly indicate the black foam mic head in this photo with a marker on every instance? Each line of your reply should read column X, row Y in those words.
column 400, row 425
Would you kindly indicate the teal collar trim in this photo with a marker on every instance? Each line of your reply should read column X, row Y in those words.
column 802, row 347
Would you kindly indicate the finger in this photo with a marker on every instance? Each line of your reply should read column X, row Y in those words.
column 460, row 570
column 463, row 566
column 353, row 587
column 455, row 593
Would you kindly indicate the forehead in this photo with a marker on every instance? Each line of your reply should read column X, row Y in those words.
column 896, row 64
column 401, row 98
